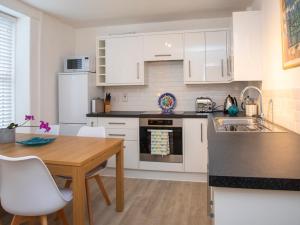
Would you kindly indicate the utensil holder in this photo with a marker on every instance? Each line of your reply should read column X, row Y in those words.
column 7, row 135
column 107, row 108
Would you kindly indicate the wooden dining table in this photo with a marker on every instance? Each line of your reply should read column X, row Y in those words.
column 75, row 156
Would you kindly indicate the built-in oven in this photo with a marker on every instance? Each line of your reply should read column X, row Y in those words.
column 174, row 128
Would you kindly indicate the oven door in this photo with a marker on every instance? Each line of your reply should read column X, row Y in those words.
column 175, row 141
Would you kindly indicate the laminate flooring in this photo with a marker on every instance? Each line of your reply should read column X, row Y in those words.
column 147, row 202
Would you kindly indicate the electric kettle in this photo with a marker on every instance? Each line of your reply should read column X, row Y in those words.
column 229, row 101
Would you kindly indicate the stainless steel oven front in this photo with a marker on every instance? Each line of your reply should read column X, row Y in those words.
column 175, row 139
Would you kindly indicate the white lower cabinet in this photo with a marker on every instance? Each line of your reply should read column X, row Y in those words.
column 92, row 121
column 126, row 134
column 131, row 156
column 235, row 206
column 127, row 129
column 195, row 151
column 195, row 145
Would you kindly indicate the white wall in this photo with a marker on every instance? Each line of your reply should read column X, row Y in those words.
column 86, row 37
column 275, row 76
column 283, row 86
column 57, row 42
column 49, row 41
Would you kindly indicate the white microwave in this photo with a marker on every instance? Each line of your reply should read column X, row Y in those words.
column 79, row 64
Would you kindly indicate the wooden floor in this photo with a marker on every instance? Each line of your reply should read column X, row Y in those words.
column 149, row 202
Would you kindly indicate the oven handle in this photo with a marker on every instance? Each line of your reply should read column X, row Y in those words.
column 150, row 130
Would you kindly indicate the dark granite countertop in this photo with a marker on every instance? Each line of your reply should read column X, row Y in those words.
column 254, row 160
column 116, row 114
column 139, row 114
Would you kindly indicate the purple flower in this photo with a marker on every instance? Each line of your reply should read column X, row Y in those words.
column 45, row 125
column 29, row 117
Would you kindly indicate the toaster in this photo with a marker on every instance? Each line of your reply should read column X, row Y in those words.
column 204, row 104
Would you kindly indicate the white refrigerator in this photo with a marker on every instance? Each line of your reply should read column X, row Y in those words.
column 75, row 92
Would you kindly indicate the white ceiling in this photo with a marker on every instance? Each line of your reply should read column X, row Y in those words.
column 83, row 13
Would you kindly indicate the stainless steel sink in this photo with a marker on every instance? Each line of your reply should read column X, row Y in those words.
column 245, row 124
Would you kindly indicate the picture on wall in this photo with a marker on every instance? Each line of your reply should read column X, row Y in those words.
column 290, row 16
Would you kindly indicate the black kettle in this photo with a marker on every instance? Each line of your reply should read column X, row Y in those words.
column 229, row 101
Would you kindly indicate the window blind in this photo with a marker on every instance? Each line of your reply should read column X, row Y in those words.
column 7, row 69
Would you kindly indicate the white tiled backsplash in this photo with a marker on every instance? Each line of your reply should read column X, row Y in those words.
column 164, row 77
column 286, row 107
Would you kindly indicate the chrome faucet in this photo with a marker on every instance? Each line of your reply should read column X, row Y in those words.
column 260, row 97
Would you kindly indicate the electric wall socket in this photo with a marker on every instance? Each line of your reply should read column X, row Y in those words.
column 125, row 97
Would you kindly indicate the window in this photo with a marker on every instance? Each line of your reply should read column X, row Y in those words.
column 7, row 69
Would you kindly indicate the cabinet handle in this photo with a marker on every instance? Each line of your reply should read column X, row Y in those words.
column 117, row 135
column 92, row 123
column 190, row 68
column 222, row 67
column 232, row 64
column 138, row 71
column 163, row 55
column 114, row 123
column 228, row 67
column 201, row 133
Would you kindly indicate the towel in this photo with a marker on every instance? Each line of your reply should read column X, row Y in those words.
column 160, row 142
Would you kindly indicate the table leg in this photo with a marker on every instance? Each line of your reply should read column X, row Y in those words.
column 120, row 180
column 79, row 191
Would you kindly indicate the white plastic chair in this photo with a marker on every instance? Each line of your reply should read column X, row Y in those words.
column 54, row 130
column 28, row 190
column 99, row 132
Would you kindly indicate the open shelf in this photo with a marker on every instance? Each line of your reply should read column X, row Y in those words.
column 101, row 62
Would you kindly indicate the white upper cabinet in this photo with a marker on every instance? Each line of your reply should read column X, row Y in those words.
column 124, row 61
column 216, row 56
column 194, row 61
column 247, row 46
column 207, row 58
column 158, row 47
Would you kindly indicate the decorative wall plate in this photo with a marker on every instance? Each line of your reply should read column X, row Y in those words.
column 167, row 102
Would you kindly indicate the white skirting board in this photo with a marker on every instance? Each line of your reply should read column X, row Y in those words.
column 234, row 206
column 158, row 175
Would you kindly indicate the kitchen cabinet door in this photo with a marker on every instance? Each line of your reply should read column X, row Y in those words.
column 247, row 46
column 216, row 56
column 160, row 47
column 92, row 121
column 124, row 61
column 195, row 145
column 131, row 156
column 194, row 61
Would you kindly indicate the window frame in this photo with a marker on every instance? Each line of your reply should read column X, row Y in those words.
column 13, row 20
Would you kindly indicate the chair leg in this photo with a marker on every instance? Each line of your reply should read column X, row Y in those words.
column 16, row 220
column 44, row 220
column 68, row 183
column 61, row 214
column 31, row 220
column 102, row 189
column 89, row 202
